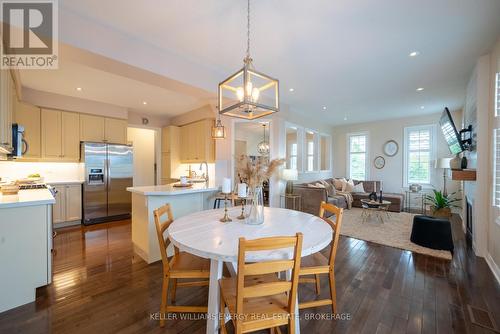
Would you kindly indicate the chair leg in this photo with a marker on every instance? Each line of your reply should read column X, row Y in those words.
column 164, row 301
column 222, row 318
column 333, row 291
column 174, row 290
column 291, row 325
column 318, row 287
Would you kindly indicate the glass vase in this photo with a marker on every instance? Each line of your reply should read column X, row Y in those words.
column 256, row 210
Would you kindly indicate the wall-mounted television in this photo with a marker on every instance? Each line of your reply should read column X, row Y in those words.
column 450, row 133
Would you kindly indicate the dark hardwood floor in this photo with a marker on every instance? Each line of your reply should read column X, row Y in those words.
column 100, row 286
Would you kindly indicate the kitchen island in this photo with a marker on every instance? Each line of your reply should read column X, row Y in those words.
column 148, row 198
column 25, row 245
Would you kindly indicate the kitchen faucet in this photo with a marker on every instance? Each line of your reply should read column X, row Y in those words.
column 206, row 174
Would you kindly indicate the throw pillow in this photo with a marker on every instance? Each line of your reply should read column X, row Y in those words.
column 349, row 186
column 319, row 185
column 358, row 188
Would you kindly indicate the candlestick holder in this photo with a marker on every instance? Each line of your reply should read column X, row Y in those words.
column 242, row 215
column 226, row 218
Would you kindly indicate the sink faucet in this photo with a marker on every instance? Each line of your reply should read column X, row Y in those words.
column 206, row 173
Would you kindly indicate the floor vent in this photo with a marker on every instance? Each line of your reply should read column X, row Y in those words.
column 482, row 318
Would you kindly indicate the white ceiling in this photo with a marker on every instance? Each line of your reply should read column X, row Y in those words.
column 109, row 88
column 351, row 56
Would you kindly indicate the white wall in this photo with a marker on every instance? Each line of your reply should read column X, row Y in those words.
column 380, row 132
column 51, row 171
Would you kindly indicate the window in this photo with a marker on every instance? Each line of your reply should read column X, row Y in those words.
column 497, row 98
column 419, row 152
column 496, row 148
column 310, row 152
column 292, row 149
column 357, row 160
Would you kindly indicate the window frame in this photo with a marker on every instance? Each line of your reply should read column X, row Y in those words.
column 367, row 153
column 432, row 152
column 315, row 154
column 328, row 150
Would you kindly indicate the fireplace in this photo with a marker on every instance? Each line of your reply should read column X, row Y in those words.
column 468, row 221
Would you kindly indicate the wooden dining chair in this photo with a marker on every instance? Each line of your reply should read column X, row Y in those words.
column 181, row 265
column 256, row 298
column 317, row 264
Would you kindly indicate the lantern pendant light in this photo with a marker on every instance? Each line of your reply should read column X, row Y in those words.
column 263, row 146
column 218, row 130
column 248, row 94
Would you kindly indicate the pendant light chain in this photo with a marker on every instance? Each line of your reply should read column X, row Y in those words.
column 248, row 32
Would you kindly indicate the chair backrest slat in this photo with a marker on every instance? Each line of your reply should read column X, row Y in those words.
column 266, row 289
column 292, row 245
column 261, row 268
column 335, row 225
column 161, row 227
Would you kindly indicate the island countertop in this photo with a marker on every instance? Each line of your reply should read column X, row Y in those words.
column 27, row 198
column 170, row 190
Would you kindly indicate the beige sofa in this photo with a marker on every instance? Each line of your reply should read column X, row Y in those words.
column 312, row 197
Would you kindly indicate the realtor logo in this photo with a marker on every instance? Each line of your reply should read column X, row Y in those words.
column 29, row 34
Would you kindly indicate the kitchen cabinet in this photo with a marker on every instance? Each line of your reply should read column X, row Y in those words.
column 91, row 128
column 7, row 98
column 103, row 129
column 170, row 156
column 60, row 135
column 115, row 130
column 196, row 143
column 29, row 116
column 68, row 207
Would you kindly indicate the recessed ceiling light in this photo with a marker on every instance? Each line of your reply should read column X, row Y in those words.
column 291, row 89
column 144, row 102
column 345, row 118
column 414, row 53
column 324, row 107
column 79, row 89
column 419, row 89
column 422, row 107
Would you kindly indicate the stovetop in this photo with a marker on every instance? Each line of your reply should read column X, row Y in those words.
column 32, row 186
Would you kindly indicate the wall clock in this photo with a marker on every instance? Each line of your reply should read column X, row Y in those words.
column 391, row 148
column 379, row 162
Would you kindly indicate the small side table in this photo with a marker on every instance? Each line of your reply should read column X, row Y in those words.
column 294, row 199
column 417, row 195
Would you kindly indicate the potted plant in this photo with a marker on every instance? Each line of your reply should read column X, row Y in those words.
column 441, row 204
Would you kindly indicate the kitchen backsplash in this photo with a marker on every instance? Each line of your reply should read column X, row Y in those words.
column 51, row 171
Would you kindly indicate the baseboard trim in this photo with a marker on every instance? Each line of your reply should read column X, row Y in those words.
column 493, row 266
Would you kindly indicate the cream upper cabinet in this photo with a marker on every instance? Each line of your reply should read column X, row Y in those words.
column 7, row 100
column 29, row 116
column 115, row 130
column 70, row 134
column 91, row 128
column 60, row 135
column 197, row 144
column 170, row 159
column 51, row 134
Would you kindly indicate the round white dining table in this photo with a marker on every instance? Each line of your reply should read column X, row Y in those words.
column 202, row 234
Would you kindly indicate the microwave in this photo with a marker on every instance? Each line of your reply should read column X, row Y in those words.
column 19, row 145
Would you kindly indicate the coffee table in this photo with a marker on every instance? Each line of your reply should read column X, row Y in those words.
column 379, row 209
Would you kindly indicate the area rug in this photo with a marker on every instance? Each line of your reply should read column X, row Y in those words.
column 395, row 231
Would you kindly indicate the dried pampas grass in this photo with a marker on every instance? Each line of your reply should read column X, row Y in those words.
column 255, row 173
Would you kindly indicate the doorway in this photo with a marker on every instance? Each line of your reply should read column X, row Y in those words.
column 253, row 140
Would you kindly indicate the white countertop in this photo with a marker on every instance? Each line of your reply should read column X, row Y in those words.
column 170, row 190
column 27, row 198
column 54, row 183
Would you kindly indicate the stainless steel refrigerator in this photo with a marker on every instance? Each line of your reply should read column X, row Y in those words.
column 108, row 173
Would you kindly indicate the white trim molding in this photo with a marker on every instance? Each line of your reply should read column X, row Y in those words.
column 432, row 128
column 367, row 152
column 493, row 266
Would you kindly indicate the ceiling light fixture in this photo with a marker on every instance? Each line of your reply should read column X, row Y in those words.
column 144, row 102
column 422, row 107
column 263, row 146
column 79, row 89
column 324, row 107
column 292, row 89
column 419, row 89
column 242, row 94
column 218, row 130
column 414, row 54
